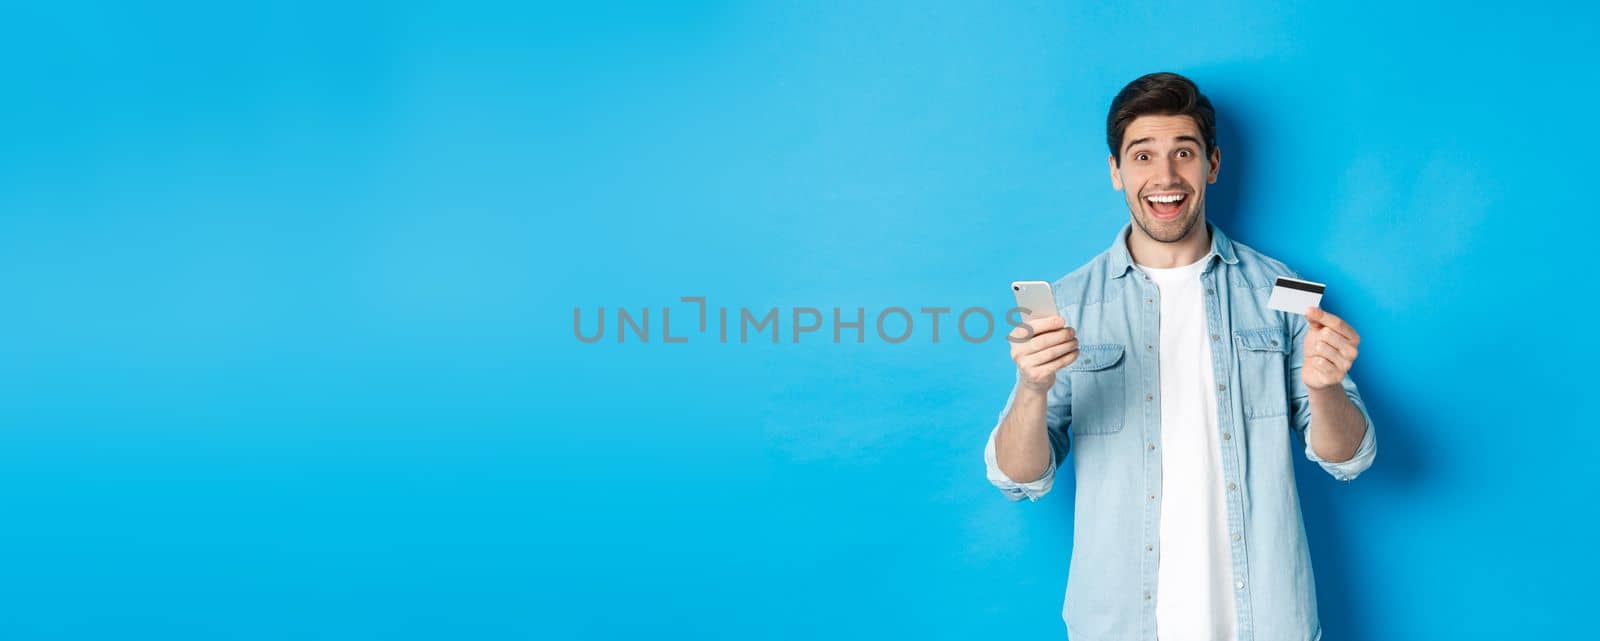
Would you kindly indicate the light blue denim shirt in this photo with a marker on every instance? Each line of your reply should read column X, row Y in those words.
column 1105, row 407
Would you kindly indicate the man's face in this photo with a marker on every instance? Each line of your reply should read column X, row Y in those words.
column 1163, row 175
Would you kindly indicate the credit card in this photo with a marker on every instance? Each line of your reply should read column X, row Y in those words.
column 1294, row 295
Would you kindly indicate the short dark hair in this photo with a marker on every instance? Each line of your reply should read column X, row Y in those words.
column 1162, row 94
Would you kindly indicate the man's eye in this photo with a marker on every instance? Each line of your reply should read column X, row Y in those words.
column 1184, row 153
column 1141, row 156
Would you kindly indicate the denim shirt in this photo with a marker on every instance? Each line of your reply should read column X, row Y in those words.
column 1105, row 407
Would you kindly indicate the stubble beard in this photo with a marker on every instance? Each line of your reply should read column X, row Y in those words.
column 1171, row 232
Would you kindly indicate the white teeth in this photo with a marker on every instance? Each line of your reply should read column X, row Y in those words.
column 1165, row 198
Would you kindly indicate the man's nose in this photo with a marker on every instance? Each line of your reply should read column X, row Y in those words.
column 1169, row 172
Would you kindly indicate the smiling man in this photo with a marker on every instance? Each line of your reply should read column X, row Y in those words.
column 1178, row 391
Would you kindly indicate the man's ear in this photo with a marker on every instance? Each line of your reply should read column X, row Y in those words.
column 1116, row 176
column 1216, row 165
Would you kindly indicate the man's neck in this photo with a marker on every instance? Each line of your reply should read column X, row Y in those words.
column 1149, row 252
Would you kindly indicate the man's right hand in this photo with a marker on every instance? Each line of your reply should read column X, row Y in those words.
column 1053, row 346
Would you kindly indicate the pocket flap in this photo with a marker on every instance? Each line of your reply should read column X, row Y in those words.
column 1096, row 357
column 1265, row 339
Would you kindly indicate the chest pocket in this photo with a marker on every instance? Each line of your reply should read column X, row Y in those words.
column 1263, row 355
column 1099, row 384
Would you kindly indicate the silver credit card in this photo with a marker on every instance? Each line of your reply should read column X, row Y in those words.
column 1294, row 296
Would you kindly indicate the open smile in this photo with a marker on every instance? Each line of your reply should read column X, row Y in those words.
column 1166, row 206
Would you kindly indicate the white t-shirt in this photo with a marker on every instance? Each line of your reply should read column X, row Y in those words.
column 1194, row 574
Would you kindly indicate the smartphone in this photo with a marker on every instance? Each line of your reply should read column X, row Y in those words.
column 1035, row 299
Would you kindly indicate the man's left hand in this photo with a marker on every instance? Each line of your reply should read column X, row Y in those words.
column 1330, row 350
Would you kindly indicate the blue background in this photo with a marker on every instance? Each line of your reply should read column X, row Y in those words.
column 288, row 347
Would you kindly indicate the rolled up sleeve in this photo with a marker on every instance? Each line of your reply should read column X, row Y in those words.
column 1365, row 453
column 1057, row 416
column 1301, row 402
column 1033, row 490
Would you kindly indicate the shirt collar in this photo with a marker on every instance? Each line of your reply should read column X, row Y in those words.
column 1122, row 260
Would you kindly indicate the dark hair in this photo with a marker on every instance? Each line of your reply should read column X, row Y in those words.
column 1163, row 94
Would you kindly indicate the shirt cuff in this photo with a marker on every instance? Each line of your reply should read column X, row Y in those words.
column 1347, row 470
column 1013, row 490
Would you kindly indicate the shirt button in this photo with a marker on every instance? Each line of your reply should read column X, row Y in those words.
column 1149, row 397
column 1239, row 584
column 1236, row 536
column 1147, row 596
column 1232, row 487
column 1152, row 446
column 1208, row 291
column 1227, row 436
column 1221, row 387
column 1274, row 343
column 1149, row 548
column 1213, row 337
column 1147, row 301
column 1152, row 497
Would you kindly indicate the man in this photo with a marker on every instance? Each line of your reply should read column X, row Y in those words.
column 1177, row 389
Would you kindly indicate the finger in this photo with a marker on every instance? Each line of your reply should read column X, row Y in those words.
column 1021, row 334
column 1063, row 361
column 1330, row 321
column 1027, row 353
column 1336, row 342
column 1329, row 351
column 1028, row 329
column 1044, row 356
column 1327, row 366
column 1318, row 365
column 1047, row 339
column 1058, row 330
column 1338, row 360
column 1317, row 374
column 1047, row 323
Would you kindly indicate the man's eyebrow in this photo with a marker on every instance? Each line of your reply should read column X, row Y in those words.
column 1139, row 141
